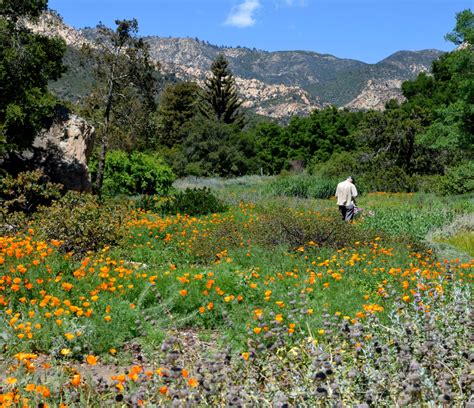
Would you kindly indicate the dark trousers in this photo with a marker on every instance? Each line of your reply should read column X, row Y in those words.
column 347, row 212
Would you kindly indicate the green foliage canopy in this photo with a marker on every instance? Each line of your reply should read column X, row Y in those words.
column 464, row 30
column 16, row 9
column 215, row 148
column 27, row 62
column 136, row 173
column 448, row 96
column 177, row 106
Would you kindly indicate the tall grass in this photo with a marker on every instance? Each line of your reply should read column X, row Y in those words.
column 463, row 241
column 302, row 186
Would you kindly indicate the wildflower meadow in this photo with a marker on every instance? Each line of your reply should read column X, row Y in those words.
column 270, row 302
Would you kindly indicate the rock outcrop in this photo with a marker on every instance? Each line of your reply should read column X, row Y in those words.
column 61, row 152
column 376, row 94
column 52, row 25
column 272, row 100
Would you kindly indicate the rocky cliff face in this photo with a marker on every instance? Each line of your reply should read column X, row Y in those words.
column 276, row 84
column 61, row 151
column 376, row 94
column 51, row 24
column 298, row 81
column 273, row 100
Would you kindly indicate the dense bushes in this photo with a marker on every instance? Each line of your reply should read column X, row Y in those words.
column 215, row 148
column 339, row 165
column 135, row 173
column 392, row 179
column 27, row 191
column 80, row 222
column 191, row 201
column 459, row 179
column 288, row 227
column 194, row 201
column 21, row 196
column 277, row 225
column 456, row 180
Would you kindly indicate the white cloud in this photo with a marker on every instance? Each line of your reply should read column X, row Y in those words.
column 243, row 15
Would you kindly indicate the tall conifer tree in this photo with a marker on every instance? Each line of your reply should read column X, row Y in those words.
column 219, row 99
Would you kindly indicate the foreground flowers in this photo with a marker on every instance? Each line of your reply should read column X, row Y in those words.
column 66, row 320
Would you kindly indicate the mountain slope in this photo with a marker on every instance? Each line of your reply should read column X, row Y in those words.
column 277, row 84
column 326, row 79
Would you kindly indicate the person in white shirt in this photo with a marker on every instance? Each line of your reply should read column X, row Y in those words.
column 346, row 192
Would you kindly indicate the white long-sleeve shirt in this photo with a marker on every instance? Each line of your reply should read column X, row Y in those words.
column 345, row 193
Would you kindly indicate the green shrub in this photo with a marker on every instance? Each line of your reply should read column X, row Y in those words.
column 392, row 179
column 81, row 223
column 428, row 183
column 21, row 196
column 147, row 202
column 219, row 237
column 27, row 191
column 195, row 169
column 136, row 173
column 339, row 166
column 150, row 173
column 192, row 201
column 12, row 223
column 288, row 227
column 117, row 176
column 459, row 179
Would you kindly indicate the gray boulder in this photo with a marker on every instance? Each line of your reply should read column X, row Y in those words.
column 61, row 151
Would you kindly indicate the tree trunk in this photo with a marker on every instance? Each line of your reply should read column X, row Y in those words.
column 99, row 180
column 105, row 138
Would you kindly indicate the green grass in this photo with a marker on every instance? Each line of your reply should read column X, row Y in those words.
column 463, row 241
column 233, row 274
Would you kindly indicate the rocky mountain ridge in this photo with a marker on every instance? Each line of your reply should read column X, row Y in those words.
column 276, row 84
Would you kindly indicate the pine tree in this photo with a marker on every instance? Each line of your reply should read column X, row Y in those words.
column 177, row 107
column 219, row 99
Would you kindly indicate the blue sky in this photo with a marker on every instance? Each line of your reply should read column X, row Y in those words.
column 367, row 30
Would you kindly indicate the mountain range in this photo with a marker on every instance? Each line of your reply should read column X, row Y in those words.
column 275, row 84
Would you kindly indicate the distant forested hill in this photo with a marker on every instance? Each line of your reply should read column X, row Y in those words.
column 277, row 84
